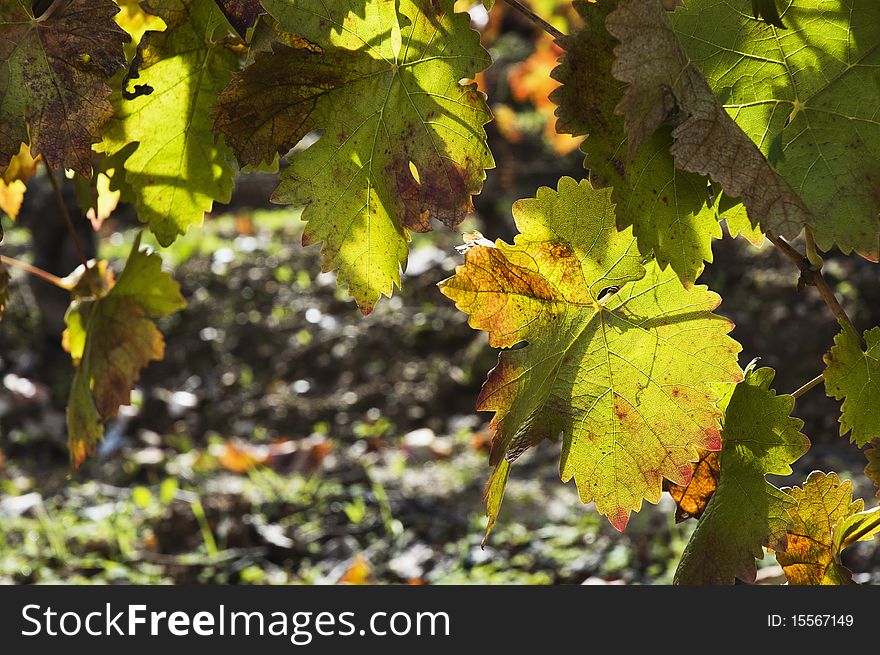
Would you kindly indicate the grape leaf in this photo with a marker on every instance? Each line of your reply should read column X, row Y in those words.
column 862, row 526
column 618, row 374
column 241, row 14
column 13, row 182
column 667, row 209
column 811, row 556
column 872, row 468
column 759, row 438
column 853, row 375
column 738, row 224
column 665, row 87
column 691, row 499
column 403, row 139
column 808, row 96
column 178, row 170
column 111, row 338
column 53, row 79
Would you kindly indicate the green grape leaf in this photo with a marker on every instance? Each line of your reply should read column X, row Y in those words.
column 872, row 468
column 111, row 337
column 53, row 79
column 736, row 219
column 403, row 138
column 664, row 87
column 667, row 209
column 812, row 552
column 853, row 375
column 808, row 96
column 612, row 363
column 862, row 526
column 241, row 14
column 746, row 512
column 178, row 169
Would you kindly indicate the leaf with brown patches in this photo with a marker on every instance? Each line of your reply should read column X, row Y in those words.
column 853, row 375
column 812, row 553
column 403, row 138
column 111, row 337
column 53, row 79
column 669, row 210
column 746, row 512
column 808, row 97
column 691, row 499
column 665, row 88
column 611, row 362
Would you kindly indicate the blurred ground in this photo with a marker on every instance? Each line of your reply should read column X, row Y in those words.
column 286, row 438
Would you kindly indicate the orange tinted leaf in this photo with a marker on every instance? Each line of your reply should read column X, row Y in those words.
column 691, row 500
column 810, row 557
column 611, row 363
column 111, row 338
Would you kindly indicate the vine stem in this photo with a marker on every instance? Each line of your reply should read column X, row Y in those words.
column 33, row 270
column 812, row 276
column 537, row 20
column 815, row 382
column 66, row 214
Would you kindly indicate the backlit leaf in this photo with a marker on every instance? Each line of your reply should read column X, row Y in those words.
column 403, row 139
column 620, row 375
column 853, row 375
column 808, row 96
column 664, row 87
column 178, row 169
column 111, row 338
column 746, row 512
column 811, row 557
column 53, row 79
column 691, row 499
column 668, row 209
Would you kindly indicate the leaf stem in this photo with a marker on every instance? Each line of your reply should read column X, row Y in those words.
column 33, row 270
column 66, row 214
column 812, row 276
column 537, row 20
column 815, row 382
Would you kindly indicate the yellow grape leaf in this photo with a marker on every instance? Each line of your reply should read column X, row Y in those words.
column 611, row 362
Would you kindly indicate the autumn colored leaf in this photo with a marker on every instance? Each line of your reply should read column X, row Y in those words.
column 812, row 554
column 403, row 139
column 872, row 468
column 664, row 88
column 668, row 210
column 53, row 79
column 241, row 14
column 808, row 97
column 853, row 375
column 611, row 362
column 530, row 81
column 13, row 183
column 111, row 337
column 691, row 499
column 178, row 169
column 746, row 512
